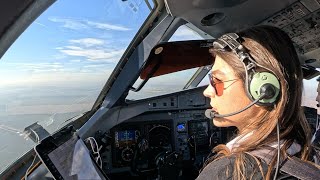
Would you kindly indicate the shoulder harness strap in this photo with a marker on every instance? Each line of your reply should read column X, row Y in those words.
column 291, row 165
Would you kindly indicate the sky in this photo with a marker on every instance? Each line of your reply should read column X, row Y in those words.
column 69, row 51
column 89, row 37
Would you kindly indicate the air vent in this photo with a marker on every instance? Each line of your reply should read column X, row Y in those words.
column 212, row 19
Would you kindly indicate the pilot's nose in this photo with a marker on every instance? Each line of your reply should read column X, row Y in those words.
column 209, row 92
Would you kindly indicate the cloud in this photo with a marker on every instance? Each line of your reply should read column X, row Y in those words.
column 87, row 42
column 75, row 61
column 80, row 24
column 59, row 56
column 70, row 47
column 93, row 54
column 21, row 73
column 40, row 24
column 94, row 66
column 35, row 66
column 77, row 77
column 106, row 26
column 70, row 23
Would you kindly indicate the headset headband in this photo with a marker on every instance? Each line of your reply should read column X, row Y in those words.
column 232, row 41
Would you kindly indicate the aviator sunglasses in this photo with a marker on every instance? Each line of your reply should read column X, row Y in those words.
column 218, row 85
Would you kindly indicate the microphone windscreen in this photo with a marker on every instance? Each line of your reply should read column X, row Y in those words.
column 207, row 113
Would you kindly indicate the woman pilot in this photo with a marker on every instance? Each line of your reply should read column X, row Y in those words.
column 256, row 86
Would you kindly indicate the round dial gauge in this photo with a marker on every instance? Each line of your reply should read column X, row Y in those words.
column 127, row 154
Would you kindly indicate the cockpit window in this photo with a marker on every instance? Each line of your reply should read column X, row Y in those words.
column 184, row 33
column 309, row 93
column 58, row 66
column 204, row 81
column 170, row 82
column 161, row 85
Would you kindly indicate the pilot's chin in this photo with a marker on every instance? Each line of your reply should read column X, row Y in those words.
column 220, row 122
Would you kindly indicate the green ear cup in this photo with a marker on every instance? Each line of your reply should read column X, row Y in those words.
column 258, row 80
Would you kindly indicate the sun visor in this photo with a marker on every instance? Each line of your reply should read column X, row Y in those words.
column 169, row 57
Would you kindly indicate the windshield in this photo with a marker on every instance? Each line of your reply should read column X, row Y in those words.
column 56, row 69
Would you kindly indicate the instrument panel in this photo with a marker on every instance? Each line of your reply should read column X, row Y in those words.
column 129, row 138
column 125, row 142
column 188, row 133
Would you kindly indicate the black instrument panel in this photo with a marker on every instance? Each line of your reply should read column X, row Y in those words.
column 124, row 142
column 129, row 138
column 187, row 133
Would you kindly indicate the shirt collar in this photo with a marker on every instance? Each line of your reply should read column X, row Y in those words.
column 293, row 149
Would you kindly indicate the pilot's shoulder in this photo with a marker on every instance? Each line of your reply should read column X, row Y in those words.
column 223, row 168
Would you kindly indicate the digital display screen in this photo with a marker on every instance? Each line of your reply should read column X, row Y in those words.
column 181, row 127
column 128, row 135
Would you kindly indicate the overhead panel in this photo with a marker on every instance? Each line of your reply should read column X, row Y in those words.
column 300, row 24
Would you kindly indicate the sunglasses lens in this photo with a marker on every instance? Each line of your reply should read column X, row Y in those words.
column 218, row 86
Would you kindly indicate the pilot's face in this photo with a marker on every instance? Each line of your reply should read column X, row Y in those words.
column 232, row 98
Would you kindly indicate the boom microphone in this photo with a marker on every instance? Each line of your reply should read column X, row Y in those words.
column 209, row 113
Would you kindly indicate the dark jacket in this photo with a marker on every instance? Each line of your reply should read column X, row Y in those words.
column 223, row 169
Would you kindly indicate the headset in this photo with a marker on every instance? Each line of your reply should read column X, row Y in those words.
column 262, row 88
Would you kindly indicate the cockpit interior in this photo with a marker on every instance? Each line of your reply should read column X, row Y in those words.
column 166, row 136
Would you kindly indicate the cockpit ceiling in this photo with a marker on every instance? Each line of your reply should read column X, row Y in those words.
column 9, row 11
column 238, row 14
column 300, row 19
